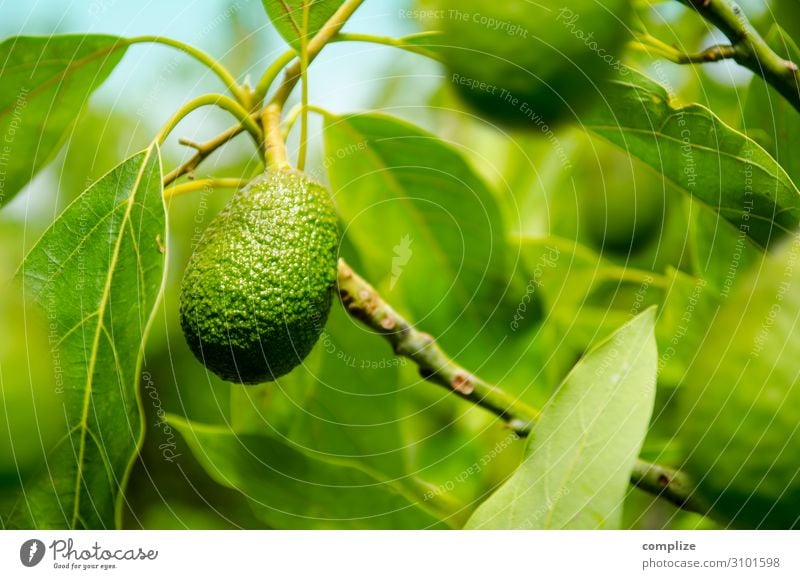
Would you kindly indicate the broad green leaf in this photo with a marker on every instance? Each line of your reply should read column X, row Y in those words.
column 721, row 254
column 741, row 400
column 98, row 273
column 769, row 118
column 287, row 17
column 46, row 82
column 341, row 403
column 570, row 275
column 696, row 150
column 427, row 227
column 290, row 489
column 689, row 307
column 581, row 452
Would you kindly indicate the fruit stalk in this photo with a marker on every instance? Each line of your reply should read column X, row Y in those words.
column 749, row 49
column 364, row 303
column 291, row 78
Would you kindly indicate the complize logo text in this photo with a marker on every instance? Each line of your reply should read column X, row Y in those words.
column 67, row 555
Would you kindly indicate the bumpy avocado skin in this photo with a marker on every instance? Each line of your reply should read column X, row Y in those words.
column 530, row 64
column 257, row 291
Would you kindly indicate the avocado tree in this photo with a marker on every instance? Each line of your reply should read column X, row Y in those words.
column 606, row 300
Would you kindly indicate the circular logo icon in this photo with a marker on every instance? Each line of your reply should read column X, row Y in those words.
column 32, row 552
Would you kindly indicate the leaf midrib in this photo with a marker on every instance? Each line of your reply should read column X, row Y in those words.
column 87, row 397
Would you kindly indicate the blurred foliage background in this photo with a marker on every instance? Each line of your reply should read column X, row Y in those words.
column 351, row 397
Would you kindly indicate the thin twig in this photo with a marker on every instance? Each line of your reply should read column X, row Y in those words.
column 365, row 304
column 291, row 77
column 668, row 484
column 749, row 49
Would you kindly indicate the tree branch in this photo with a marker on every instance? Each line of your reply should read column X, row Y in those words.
column 749, row 49
column 203, row 151
column 365, row 304
column 671, row 485
column 315, row 46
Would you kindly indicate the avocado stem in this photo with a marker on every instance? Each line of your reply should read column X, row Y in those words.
column 275, row 147
column 291, row 78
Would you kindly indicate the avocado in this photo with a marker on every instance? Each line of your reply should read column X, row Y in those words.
column 530, row 64
column 257, row 291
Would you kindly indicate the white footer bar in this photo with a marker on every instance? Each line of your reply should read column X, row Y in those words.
column 406, row 555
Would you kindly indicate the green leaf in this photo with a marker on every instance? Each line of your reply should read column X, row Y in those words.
column 769, row 118
column 721, row 254
column 342, row 402
column 740, row 401
column 291, row 489
column 287, row 17
column 425, row 43
column 696, row 150
column 46, row 83
column 419, row 216
column 98, row 272
column 688, row 310
column 581, row 452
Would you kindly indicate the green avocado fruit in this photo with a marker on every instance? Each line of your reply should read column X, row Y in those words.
column 257, row 291
column 741, row 401
column 525, row 63
column 624, row 209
